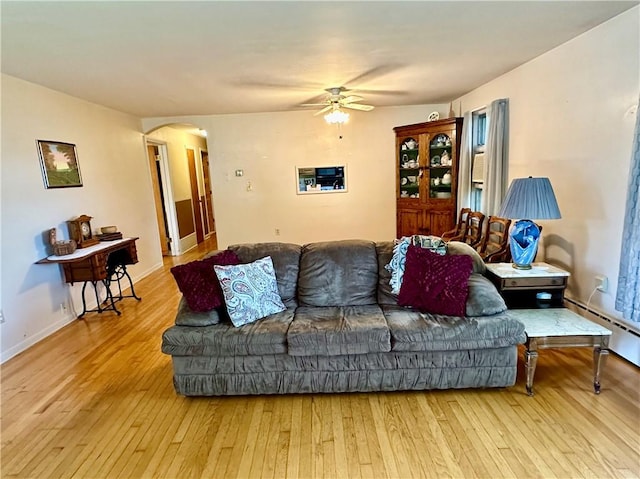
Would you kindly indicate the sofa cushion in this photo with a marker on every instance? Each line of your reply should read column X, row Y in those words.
column 484, row 298
column 198, row 283
column 338, row 273
column 384, row 249
column 434, row 283
column 286, row 263
column 416, row 331
column 334, row 330
column 250, row 291
column 267, row 336
column 188, row 317
column 458, row 247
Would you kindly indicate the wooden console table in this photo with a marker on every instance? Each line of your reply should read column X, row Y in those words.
column 105, row 263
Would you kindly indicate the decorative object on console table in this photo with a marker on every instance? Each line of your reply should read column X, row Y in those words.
column 109, row 236
column 528, row 199
column 109, row 233
column 80, row 231
column 60, row 247
column 542, row 286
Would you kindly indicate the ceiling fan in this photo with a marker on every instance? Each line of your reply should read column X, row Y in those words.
column 336, row 100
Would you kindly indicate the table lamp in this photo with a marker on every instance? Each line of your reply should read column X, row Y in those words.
column 528, row 199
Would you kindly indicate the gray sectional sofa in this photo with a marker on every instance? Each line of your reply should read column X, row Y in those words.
column 344, row 331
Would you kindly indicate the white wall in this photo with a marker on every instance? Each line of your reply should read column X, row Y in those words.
column 572, row 120
column 116, row 191
column 269, row 146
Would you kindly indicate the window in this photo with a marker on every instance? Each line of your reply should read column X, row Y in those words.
column 479, row 135
column 480, row 128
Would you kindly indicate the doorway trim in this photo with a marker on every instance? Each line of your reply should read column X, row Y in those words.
column 167, row 193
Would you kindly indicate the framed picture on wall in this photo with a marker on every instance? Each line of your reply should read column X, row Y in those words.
column 59, row 164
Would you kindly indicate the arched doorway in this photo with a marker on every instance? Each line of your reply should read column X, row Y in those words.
column 180, row 172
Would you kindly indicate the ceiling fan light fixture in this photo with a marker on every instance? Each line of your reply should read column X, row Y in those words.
column 336, row 117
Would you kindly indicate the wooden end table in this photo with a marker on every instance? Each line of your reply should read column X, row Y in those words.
column 519, row 287
column 561, row 328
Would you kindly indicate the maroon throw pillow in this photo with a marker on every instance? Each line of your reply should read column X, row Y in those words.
column 435, row 284
column 198, row 282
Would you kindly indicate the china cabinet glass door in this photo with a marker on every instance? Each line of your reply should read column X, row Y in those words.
column 440, row 165
column 409, row 166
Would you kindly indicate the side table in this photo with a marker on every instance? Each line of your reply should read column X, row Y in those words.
column 561, row 328
column 519, row 287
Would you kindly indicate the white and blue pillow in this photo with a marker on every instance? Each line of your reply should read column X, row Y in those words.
column 250, row 291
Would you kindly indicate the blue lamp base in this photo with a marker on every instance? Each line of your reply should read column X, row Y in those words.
column 523, row 240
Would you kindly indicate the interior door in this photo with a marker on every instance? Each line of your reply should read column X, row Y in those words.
column 161, row 214
column 195, row 196
column 210, row 224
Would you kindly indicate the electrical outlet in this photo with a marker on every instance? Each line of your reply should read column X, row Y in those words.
column 1, row 316
column 277, row 231
column 602, row 283
column 63, row 309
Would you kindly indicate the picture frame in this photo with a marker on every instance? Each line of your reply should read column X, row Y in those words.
column 59, row 164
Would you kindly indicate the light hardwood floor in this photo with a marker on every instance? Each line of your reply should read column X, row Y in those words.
column 95, row 400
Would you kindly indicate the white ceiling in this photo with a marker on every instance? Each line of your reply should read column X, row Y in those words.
column 159, row 58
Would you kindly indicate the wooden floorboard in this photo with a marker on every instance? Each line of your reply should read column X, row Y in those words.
column 96, row 400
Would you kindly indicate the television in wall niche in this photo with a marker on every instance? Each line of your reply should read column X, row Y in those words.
column 321, row 179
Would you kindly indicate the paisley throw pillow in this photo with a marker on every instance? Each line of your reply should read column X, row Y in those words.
column 250, row 291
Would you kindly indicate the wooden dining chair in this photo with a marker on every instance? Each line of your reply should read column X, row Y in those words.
column 494, row 246
column 457, row 233
column 473, row 231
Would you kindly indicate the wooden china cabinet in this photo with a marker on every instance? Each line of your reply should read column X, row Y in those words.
column 427, row 157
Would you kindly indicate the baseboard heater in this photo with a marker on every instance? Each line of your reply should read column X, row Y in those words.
column 625, row 339
column 599, row 315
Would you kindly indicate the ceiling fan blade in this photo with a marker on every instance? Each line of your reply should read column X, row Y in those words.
column 326, row 108
column 278, row 84
column 320, row 99
column 357, row 106
column 373, row 73
column 381, row 92
column 313, row 104
column 351, row 99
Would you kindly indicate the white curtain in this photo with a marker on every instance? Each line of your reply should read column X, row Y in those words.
column 628, row 293
column 466, row 161
column 496, row 157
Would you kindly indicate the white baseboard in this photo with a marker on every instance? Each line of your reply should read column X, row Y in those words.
column 70, row 317
column 625, row 338
column 36, row 338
